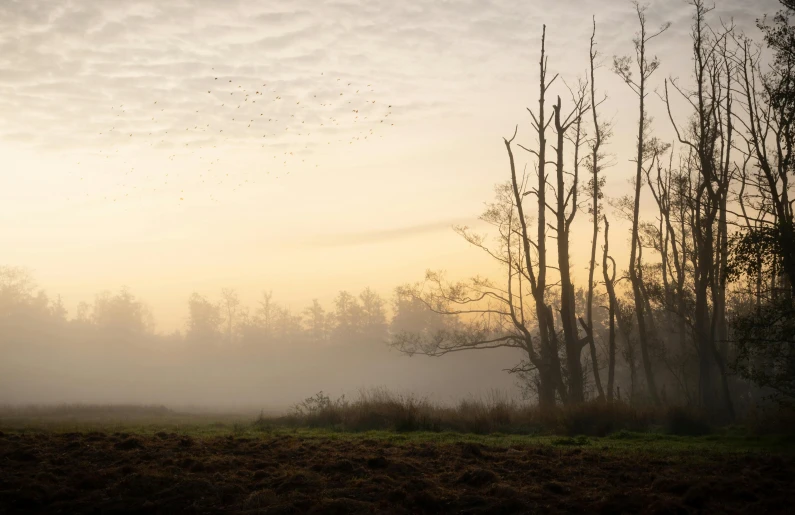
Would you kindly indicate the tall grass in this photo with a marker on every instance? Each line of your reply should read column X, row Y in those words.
column 380, row 409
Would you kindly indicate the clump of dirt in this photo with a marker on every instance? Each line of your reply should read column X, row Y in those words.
column 129, row 444
column 478, row 477
column 379, row 462
column 168, row 473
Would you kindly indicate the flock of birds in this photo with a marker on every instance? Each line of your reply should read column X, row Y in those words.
column 232, row 114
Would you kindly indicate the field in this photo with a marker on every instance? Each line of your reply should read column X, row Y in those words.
column 164, row 463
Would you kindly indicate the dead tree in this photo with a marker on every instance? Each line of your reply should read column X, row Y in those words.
column 708, row 138
column 490, row 315
column 610, row 280
column 646, row 68
column 479, row 313
column 550, row 377
column 595, row 184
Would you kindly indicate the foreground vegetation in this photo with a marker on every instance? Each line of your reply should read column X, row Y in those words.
column 152, row 460
column 389, row 454
column 386, row 417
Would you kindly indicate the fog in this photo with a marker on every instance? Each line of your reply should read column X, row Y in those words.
column 228, row 356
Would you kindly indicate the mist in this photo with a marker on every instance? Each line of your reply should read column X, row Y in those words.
column 229, row 356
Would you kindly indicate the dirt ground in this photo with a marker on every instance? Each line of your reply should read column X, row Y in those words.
column 170, row 473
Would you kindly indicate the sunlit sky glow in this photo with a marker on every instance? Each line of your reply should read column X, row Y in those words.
column 127, row 161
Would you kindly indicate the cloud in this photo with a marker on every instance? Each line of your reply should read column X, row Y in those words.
column 65, row 64
column 380, row 236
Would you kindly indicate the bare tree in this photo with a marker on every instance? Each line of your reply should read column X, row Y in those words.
column 610, row 279
column 709, row 139
column 596, row 183
column 481, row 314
column 550, row 377
column 646, row 68
column 565, row 211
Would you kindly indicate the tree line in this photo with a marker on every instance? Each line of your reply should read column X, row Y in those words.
column 29, row 314
column 703, row 313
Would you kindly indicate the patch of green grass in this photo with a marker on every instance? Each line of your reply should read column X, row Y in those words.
column 730, row 440
column 576, row 441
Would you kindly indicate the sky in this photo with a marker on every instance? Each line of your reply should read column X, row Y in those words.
column 302, row 147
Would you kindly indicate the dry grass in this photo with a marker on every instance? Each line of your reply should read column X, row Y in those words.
column 382, row 410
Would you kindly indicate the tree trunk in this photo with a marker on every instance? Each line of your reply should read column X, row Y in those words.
column 611, row 349
column 567, row 305
column 595, row 214
column 643, row 336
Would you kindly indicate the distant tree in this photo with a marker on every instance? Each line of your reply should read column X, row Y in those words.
column 27, row 315
column 121, row 315
column 316, row 322
column 83, row 313
column 374, row 323
column 230, row 305
column 58, row 309
column 347, row 318
column 204, row 321
column 287, row 325
column 266, row 314
column 16, row 286
column 412, row 316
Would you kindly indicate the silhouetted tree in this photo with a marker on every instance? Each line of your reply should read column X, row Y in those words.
column 595, row 185
column 709, row 138
column 646, row 150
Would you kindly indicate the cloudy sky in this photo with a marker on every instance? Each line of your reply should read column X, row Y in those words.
column 298, row 146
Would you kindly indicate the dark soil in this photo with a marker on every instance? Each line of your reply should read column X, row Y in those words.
column 169, row 473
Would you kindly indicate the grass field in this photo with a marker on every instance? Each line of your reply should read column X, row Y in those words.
column 153, row 460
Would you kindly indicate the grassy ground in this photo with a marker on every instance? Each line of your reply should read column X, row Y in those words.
column 150, row 422
column 133, row 460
